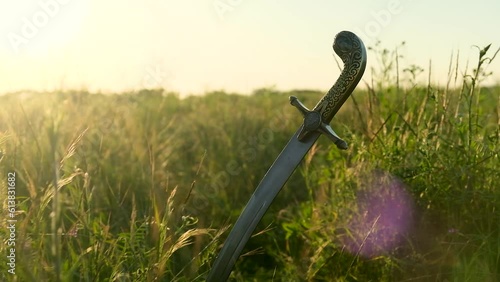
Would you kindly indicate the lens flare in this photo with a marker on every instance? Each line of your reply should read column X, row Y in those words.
column 384, row 217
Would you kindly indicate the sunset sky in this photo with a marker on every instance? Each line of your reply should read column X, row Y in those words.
column 237, row 45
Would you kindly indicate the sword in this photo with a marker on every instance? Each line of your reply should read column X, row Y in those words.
column 316, row 122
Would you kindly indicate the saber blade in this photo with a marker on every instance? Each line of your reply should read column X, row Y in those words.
column 352, row 52
column 258, row 204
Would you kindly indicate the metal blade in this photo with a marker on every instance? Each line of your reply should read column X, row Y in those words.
column 258, row 204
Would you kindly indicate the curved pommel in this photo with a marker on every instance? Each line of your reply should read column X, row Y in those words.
column 353, row 53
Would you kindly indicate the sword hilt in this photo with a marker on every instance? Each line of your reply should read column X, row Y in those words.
column 353, row 53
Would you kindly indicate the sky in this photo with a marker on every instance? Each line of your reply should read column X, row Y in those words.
column 196, row 46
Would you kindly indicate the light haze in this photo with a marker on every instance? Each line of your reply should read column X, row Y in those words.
column 191, row 47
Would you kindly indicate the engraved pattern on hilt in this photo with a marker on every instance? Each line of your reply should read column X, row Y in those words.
column 353, row 53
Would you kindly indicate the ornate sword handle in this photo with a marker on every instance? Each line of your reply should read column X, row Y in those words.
column 353, row 53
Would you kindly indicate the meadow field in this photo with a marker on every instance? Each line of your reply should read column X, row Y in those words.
column 144, row 186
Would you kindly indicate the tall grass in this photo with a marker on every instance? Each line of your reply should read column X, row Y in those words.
column 94, row 192
column 143, row 186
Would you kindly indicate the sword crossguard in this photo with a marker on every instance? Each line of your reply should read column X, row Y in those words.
column 313, row 122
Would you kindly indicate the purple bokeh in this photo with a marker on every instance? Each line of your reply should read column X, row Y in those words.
column 384, row 217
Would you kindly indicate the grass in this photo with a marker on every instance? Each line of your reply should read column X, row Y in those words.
column 143, row 186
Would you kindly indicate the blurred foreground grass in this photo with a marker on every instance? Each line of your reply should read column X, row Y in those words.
column 147, row 184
